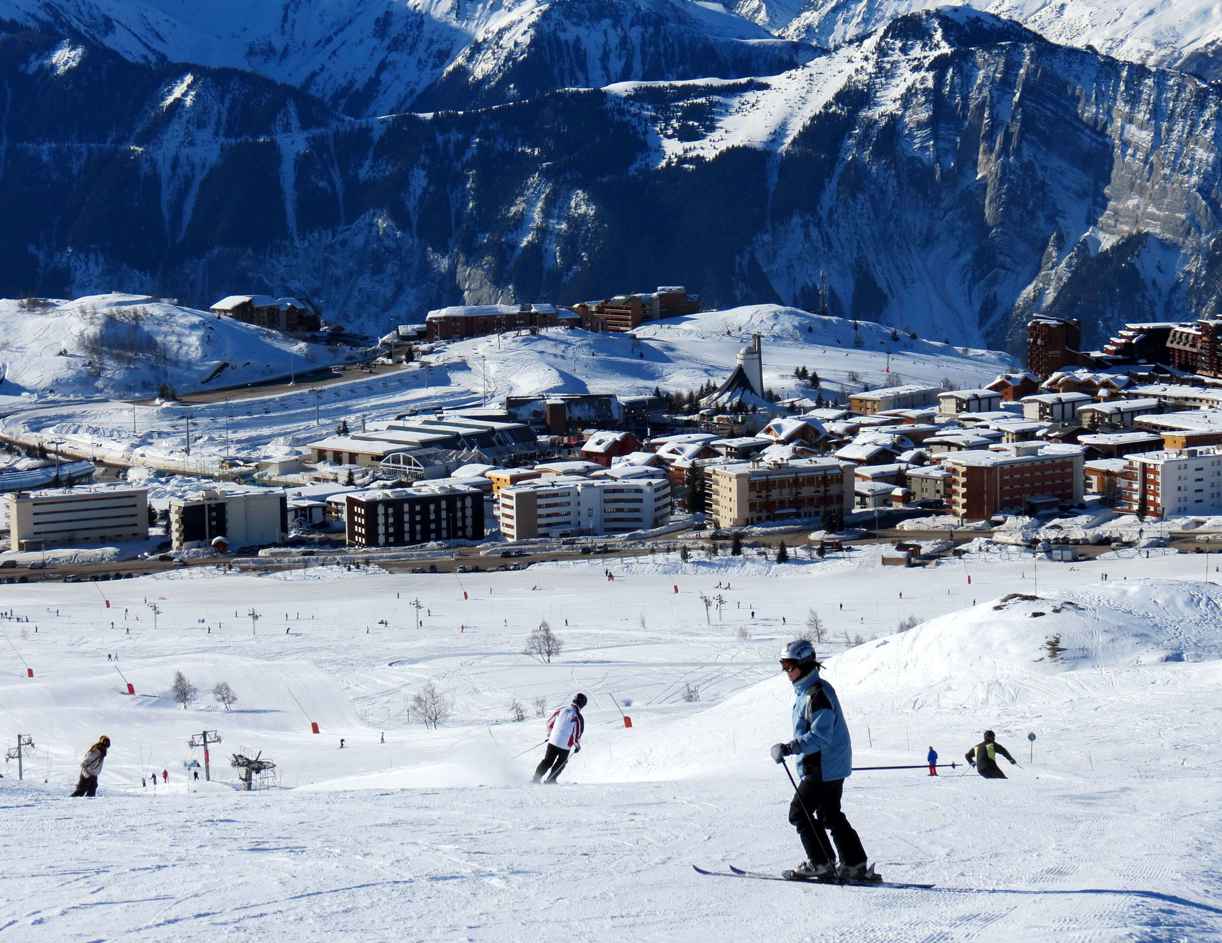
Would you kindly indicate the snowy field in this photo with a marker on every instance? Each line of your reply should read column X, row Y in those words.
column 678, row 354
column 1110, row 833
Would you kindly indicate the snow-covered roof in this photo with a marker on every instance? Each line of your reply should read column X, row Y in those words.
column 473, row 470
column 863, row 451
column 1191, row 420
column 496, row 311
column 1179, row 391
column 742, row 442
column 1118, row 438
column 782, row 429
column 1112, row 466
column 420, row 489
column 784, row 452
column 624, row 472
column 229, row 302
column 567, row 468
column 873, row 487
column 1052, row 399
column 928, row 471
column 603, row 441
column 637, row 458
column 992, row 457
column 907, row 389
column 1118, row 407
column 969, row 394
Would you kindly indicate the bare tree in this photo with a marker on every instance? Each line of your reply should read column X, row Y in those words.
column 517, row 711
column 224, row 695
column 691, row 693
column 184, row 691
column 430, row 706
column 540, row 705
column 907, row 624
column 816, row 630
column 543, row 643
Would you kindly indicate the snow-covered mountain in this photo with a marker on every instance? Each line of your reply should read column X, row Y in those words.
column 1185, row 34
column 367, row 59
column 952, row 173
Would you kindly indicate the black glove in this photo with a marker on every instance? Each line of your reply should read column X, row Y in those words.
column 779, row 751
column 577, row 749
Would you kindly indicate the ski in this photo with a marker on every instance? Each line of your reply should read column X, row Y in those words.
column 762, row 876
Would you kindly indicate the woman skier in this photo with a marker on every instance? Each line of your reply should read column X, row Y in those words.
column 564, row 730
column 91, row 766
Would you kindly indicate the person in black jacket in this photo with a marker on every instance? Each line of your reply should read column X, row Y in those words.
column 983, row 756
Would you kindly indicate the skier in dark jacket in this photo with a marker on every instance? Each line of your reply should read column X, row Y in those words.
column 821, row 739
column 932, row 759
column 91, row 766
column 564, row 730
column 983, row 756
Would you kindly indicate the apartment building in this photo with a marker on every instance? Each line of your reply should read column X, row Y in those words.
column 1185, row 429
column 746, row 493
column 287, row 315
column 908, row 396
column 1054, row 407
column 1197, row 348
column 1117, row 413
column 1052, row 343
column 984, row 482
column 1173, row 482
column 566, row 505
column 89, row 514
column 954, row 402
column 243, row 518
column 624, row 312
column 460, row 321
column 397, row 517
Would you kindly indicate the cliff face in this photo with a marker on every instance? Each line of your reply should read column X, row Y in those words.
column 953, row 173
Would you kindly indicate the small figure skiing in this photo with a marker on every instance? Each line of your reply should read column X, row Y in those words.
column 91, row 767
column 932, row 759
column 983, row 756
column 821, row 739
column 564, row 730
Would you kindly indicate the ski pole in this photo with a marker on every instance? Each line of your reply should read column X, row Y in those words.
column 816, row 829
column 859, row 769
column 533, row 746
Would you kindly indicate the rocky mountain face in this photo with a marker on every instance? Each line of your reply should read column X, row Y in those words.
column 373, row 58
column 952, row 173
column 1184, row 34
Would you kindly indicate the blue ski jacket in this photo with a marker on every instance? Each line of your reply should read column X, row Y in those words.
column 820, row 735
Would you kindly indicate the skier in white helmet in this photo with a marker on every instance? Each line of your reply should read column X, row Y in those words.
column 564, row 730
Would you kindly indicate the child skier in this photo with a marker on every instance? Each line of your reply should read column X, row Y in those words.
column 821, row 739
column 564, row 730
column 932, row 760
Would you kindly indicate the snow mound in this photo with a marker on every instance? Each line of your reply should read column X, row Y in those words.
column 123, row 345
column 1000, row 648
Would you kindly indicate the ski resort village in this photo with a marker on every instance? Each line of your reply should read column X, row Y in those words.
column 617, row 471
column 306, row 620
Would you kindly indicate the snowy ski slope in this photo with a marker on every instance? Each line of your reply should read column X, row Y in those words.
column 1111, row 833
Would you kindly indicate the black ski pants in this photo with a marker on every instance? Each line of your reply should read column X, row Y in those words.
column 992, row 771
column 86, row 786
column 822, row 799
column 554, row 759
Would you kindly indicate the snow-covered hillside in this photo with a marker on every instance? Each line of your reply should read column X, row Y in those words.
column 118, row 345
column 435, row 834
column 678, row 355
column 1178, row 33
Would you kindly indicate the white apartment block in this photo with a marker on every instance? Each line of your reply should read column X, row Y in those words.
column 954, row 402
column 243, row 518
column 565, row 506
column 1170, row 483
column 62, row 516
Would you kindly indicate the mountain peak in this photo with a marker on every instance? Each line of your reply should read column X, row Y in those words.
column 958, row 26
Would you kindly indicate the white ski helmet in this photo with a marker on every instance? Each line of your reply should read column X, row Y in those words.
column 799, row 650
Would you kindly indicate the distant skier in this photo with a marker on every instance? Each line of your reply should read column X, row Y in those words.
column 564, row 730
column 165, row 776
column 821, row 739
column 932, row 759
column 91, row 766
column 983, row 756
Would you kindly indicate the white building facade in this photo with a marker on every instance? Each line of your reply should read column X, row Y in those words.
column 1170, row 483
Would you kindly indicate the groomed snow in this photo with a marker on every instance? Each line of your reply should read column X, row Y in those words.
column 1111, row 833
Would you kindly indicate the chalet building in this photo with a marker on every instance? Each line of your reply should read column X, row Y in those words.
column 954, row 402
column 624, row 312
column 427, row 511
column 804, row 430
column 1091, row 382
column 287, row 315
column 602, row 448
column 1168, row 483
column 1052, row 343
column 461, row 321
column 1197, row 348
column 1054, row 407
column 742, row 493
column 908, row 396
column 1116, row 414
column 984, row 482
column 1014, row 386
column 1180, row 396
